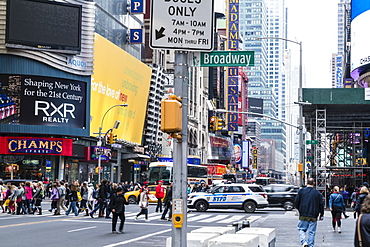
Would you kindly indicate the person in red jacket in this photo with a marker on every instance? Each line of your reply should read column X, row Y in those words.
column 159, row 194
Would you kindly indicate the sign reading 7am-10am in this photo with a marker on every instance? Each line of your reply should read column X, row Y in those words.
column 182, row 24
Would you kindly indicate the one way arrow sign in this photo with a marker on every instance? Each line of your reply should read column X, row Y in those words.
column 159, row 34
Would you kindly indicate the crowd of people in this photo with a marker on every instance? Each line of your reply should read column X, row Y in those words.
column 71, row 197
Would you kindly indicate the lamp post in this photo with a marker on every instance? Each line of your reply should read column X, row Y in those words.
column 100, row 142
column 300, row 103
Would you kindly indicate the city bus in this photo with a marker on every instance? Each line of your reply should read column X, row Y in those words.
column 164, row 171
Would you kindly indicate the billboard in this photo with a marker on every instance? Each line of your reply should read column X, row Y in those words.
column 41, row 100
column 119, row 78
column 44, row 25
column 360, row 50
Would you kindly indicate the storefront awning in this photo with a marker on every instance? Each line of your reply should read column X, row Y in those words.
column 135, row 156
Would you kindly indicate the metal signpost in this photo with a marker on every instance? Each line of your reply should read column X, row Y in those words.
column 183, row 26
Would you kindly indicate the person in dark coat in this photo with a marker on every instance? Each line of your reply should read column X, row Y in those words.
column 117, row 207
column 310, row 205
column 364, row 221
column 361, row 198
column 167, row 204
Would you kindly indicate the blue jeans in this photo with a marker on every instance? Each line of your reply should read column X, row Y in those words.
column 310, row 228
column 72, row 204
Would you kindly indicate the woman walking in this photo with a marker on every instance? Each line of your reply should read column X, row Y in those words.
column 144, row 203
column 28, row 191
column 361, row 198
column 117, row 207
column 85, row 195
column 37, row 197
column 73, row 200
column 54, row 196
column 336, row 205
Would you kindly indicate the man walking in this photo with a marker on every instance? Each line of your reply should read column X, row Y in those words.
column 310, row 205
column 159, row 194
column 62, row 196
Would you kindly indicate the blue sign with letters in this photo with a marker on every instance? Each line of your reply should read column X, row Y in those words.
column 137, row 7
column 136, row 36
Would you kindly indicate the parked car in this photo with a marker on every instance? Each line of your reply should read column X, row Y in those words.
column 281, row 195
column 247, row 197
column 134, row 196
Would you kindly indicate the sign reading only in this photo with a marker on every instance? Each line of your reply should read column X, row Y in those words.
column 227, row 58
column 182, row 24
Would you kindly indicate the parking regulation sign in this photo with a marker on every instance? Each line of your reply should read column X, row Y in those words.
column 182, row 24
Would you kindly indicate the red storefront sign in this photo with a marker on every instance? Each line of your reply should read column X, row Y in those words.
column 35, row 145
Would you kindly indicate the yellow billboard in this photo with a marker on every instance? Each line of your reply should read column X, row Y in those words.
column 119, row 78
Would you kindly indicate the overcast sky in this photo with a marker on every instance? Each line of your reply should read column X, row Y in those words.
column 314, row 22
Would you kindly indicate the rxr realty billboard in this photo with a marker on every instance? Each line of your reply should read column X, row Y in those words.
column 40, row 100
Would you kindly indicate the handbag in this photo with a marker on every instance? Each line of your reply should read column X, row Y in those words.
column 79, row 198
column 359, row 231
column 6, row 203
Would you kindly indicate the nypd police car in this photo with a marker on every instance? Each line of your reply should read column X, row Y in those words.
column 247, row 197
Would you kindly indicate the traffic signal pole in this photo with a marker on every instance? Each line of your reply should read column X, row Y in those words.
column 180, row 148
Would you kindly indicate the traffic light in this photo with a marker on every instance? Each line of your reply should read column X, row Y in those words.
column 171, row 115
column 212, row 124
column 112, row 138
column 219, row 124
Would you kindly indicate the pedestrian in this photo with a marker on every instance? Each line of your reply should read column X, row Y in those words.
column 54, row 196
column 310, row 205
column 364, row 191
column 117, row 207
column 362, row 232
column 29, row 195
column 38, row 197
column 188, row 189
column 354, row 197
column 109, row 189
column 345, row 195
column 13, row 198
column 337, row 206
column 168, row 204
column 159, row 194
column 21, row 201
column 143, row 204
column 2, row 195
column 102, row 199
column 73, row 200
column 90, row 198
column 85, row 195
column 62, row 196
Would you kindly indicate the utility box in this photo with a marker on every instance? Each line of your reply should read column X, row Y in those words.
column 171, row 116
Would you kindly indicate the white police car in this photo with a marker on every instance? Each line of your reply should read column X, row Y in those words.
column 234, row 195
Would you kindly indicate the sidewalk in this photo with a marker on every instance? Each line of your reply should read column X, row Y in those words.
column 287, row 234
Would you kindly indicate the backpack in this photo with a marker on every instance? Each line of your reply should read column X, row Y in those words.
column 95, row 194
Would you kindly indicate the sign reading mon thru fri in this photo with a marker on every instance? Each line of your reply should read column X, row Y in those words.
column 182, row 24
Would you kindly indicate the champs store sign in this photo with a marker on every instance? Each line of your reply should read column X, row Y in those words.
column 35, row 145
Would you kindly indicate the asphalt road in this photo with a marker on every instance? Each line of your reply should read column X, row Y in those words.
column 61, row 230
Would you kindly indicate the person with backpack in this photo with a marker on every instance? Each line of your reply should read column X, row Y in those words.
column 109, row 192
column 168, row 204
column 38, row 197
column 102, row 199
column 117, row 207
column 337, row 207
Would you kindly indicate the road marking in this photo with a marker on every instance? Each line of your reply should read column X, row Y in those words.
column 32, row 223
column 136, row 239
column 199, row 217
column 230, row 220
column 81, row 229
column 218, row 217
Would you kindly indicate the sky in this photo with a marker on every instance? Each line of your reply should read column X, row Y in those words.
column 314, row 23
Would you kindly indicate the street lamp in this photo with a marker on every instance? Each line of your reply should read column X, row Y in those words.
column 300, row 103
column 100, row 142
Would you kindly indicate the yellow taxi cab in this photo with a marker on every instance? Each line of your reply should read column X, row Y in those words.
column 134, row 196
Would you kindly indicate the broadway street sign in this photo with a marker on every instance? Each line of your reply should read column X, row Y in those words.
column 227, row 58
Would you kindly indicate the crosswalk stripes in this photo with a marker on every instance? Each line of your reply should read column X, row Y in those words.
column 199, row 217
column 232, row 219
column 216, row 218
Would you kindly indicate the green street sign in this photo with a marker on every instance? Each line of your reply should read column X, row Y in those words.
column 312, row 142
column 227, row 58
